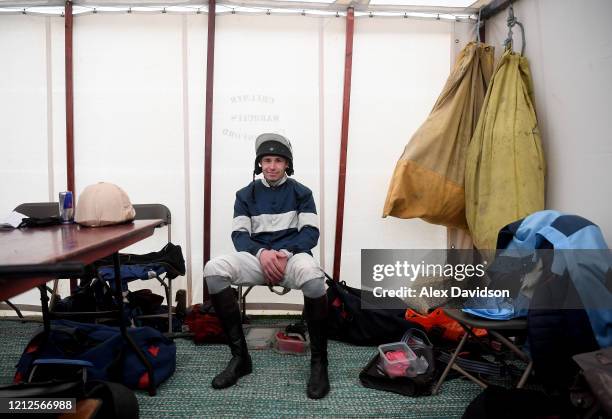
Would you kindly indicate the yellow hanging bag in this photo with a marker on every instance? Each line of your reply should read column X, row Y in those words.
column 505, row 168
column 428, row 179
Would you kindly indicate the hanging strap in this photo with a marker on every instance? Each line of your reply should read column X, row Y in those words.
column 511, row 21
column 478, row 26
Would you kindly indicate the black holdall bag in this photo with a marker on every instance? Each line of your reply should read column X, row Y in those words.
column 373, row 375
column 348, row 322
column 117, row 401
column 596, row 376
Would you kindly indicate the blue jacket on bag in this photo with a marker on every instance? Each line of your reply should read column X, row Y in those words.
column 282, row 217
column 581, row 252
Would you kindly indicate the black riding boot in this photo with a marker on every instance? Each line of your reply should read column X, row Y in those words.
column 315, row 310
column 226, row 307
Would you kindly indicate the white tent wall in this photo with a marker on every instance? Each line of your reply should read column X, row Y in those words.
column 139, row 83
column 399, row 69
column 463, row 33
column 32, row 105
column 129, row 113
column 333, row 43
column 571, row 67
column 194, row 192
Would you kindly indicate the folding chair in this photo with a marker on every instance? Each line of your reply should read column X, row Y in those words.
column 497, row 329
column 242, row 299
column 38, row 210
column 153, row 212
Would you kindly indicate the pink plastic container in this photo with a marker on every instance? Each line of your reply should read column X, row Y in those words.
column 290, row 344
column 398, row 360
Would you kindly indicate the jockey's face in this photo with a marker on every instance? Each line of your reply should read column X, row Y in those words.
column 273, row 167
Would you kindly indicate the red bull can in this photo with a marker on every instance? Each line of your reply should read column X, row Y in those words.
column 66, row 207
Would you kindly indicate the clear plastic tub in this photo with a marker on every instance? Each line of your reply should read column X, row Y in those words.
column 398, row 360
column 260, row 337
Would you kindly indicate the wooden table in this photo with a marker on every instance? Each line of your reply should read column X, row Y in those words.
column 63, row 243
column 27, row 256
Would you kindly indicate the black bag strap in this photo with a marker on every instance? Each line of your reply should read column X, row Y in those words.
column 118, row 401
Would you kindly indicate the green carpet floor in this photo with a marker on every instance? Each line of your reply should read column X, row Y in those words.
column 276, row 389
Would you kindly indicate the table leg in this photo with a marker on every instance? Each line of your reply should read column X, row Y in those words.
column 123, row 328
column 14, row 307
column 44, row 307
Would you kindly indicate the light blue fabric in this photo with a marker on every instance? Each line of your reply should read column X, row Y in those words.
column 501, row 310
column 584, row 254
column 587, row 271
column 526, row 236
column 525, row 241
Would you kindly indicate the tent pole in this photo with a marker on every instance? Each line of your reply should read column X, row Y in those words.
column 69, row 96
column 69, row 108
column 210, row 64
column 482, row 31
column 346, row 102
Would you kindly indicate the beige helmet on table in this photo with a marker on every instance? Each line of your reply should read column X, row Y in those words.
column 103, row 204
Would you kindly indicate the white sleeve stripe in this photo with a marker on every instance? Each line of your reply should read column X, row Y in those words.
column 241, row 223
column 308, row 219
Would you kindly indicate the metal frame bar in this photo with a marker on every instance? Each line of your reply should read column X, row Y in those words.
column 69, row 97
column 482, row 30
column 346, row 104
column 493, row 8
column 123, row 328
column 210, row 70
column 15, row 308
column 340, row 6
column 168, row 291
column 337, row 6
column 506, row 342
column 69, row 108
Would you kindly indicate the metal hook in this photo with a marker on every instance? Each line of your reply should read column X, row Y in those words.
column 511, row 21
column 478, row 23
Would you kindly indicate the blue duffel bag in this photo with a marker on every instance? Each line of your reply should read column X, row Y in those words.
column 105, row 354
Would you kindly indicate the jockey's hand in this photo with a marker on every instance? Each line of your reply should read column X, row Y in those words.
column 282, row 260
column 271, row 266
